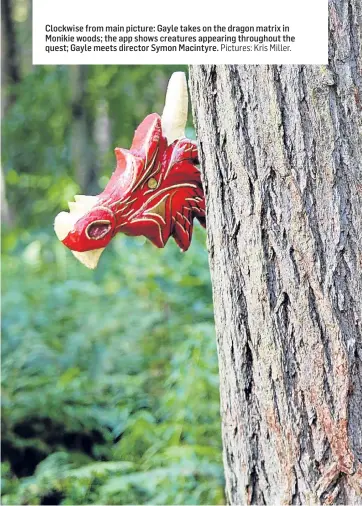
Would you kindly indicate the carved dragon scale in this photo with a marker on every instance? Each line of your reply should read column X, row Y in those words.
column 155, row 190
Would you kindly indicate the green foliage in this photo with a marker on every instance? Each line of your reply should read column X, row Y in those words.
column 110, row 387
column 109, row 378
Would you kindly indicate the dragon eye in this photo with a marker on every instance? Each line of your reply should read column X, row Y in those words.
column 98, row 229
column 152, row 183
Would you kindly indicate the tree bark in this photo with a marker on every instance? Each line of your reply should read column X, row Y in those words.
column 281, row 159
column 10, row 76
column 83, row 152
column 10, row 61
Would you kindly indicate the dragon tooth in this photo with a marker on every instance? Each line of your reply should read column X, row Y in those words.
column 78, row 208
column 89, row 258
column 89, row 200
column 174, row 116
column 73, row 206
column 63, row 224
column 82, row 204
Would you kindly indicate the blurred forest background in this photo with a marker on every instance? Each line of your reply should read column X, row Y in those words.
column 109, row 378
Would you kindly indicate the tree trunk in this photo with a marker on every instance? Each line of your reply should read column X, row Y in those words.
column 281, row 159
column 10, row 60
column 10, row 76
column 83, row 152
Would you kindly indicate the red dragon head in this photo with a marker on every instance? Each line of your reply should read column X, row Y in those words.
column 155, row 190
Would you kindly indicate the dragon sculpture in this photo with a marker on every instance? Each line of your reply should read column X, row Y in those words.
column 155, row 190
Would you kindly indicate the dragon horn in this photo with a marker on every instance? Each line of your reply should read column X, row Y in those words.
column 174, row 116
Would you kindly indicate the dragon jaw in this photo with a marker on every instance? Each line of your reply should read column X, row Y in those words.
column 64, row 223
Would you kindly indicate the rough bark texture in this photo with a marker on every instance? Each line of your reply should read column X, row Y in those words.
column 281, row 156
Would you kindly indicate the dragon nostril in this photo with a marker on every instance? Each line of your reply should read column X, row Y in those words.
column 98, row 229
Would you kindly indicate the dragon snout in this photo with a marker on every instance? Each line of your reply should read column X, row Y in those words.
column 86, row 229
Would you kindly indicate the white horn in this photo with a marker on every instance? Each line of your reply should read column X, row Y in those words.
column 174, row 116
column 89, row 258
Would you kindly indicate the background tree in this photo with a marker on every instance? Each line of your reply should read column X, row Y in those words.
column 281, row 157
column 10, row 76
